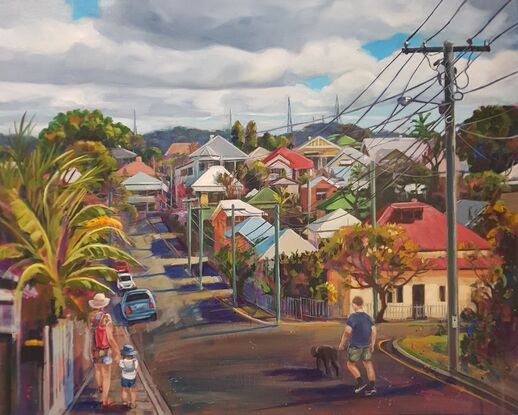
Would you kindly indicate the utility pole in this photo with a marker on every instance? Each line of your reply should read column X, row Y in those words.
column 309, row 199
column 372, row 175
column 200, row 238
column 234, row 282
column 110, row 203
column 189, row 235
column 171, row 186
column 277, row 270
column 337, row 110
column 289, row 124
column 448, row 51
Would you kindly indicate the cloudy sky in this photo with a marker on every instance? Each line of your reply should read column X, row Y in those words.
column 179, row 62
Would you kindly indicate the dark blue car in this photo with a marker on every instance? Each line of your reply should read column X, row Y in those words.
column 139, row 304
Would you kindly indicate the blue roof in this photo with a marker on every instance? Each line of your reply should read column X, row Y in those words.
column 253, row 229
column 342, row 173
column 263, row 246
column 468, row 210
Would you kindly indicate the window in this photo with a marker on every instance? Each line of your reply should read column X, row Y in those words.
column 442, row 293
column 399, row 294
column 390, row 297
column 321, row 196
column 407, row 215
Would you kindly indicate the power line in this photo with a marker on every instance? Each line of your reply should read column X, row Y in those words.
column 448, row 22
column 492, row 82
column 470, row 40
column 487, row 137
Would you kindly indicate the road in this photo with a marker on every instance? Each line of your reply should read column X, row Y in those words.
column 206, row 359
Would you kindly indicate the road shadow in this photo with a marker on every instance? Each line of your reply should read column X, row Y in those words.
column 160, row 249
column 176, row 271
column 194, row 287
column 302, row 374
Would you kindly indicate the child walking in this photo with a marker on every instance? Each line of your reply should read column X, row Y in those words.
column 129, row 366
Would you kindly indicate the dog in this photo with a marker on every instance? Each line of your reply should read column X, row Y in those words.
column 327, row 359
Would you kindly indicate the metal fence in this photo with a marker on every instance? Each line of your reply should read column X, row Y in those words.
column 397, row 312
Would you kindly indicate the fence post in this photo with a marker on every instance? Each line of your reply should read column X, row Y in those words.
column 300, row 308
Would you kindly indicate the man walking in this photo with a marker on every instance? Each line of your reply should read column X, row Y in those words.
column 360, row 332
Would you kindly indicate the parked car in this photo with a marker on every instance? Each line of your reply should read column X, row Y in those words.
column 125, row 281
column 121, row 265
column 138, row 304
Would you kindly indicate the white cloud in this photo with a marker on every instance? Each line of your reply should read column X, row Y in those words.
column 188, row 63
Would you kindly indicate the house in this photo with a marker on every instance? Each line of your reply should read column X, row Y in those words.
column 264, row 199
column 319, row 150
column 468, row 211
column 146, row 191
column 122, row 155
column 180, row 149
column 321, row 188
column 348, row 201
column 512, row 177
column 258, row 154
column 326, row 226
column 137, row 166
column 347, row 157
column 222, row 216
column 210, row 191
column 394, row 151
column 289, row 243
column 216, row 152
column 289, row 185
column 425, row 295
column 284, row 162
column 250, row 232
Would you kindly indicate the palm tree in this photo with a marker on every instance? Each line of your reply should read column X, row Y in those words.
column 54, row 240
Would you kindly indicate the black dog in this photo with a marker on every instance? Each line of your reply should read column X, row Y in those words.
column 327, row 358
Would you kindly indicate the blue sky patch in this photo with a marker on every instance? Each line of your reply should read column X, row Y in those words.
column 382, row 48
column 84, row 8
column 317, row 82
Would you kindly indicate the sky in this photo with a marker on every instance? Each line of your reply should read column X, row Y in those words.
column 190, row 63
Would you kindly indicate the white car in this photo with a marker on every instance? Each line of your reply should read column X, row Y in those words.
column 125, row 281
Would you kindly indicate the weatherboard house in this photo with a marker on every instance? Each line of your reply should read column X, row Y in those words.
column 284, row 162
column 425, row 295
column 319, row 150
column 216, row 152
column 249, row 233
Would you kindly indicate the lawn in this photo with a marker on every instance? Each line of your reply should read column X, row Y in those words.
column 432, row 350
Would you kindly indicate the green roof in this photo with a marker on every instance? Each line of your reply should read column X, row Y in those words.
column 341, row 139
column 265, row 198
column 343, row 201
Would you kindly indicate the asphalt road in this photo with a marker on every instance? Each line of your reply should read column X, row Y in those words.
column 206, row 359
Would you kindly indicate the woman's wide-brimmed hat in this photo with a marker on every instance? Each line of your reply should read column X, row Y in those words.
column 99, row 301
column 128, row 350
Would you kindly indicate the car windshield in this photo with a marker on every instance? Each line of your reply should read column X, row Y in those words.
column 138, row 297
column 124, row 277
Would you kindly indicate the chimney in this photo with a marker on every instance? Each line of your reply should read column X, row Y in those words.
column 138, row 158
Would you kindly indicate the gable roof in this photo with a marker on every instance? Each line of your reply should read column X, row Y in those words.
column 283, row 181
column 327, row 225
column 137, row 166
column 380, row 147
column 316, row 143
column 341, row 139
column 181, row 148
column 259, row 153
column 296, row 161
column 142, row 181
column 468, row 210
column 122, row 154
column 340, row 200
column 241, row 209
column 430, row 232
column 217, row 147
column 289, row 244
column 265, row 197
column 351, row 153
column 208, row 181
column 253, row 229
column 316, row 180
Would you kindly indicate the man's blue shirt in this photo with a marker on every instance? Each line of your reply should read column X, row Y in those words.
column 361, row 324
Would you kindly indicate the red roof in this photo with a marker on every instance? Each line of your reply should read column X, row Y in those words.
column 181, row 148
column 426, row 226
column 137, row 166
column 296, row 160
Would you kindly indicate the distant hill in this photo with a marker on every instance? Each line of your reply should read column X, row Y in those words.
column 164, row 138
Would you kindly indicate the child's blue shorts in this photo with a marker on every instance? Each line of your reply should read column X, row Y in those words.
column 128, row 383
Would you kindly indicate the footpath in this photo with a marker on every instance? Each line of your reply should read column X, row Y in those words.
column 149, row 401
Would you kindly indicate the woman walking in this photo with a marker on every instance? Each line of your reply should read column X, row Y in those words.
column 103, row 344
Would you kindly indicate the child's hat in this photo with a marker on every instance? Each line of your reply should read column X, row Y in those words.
column 128, row 350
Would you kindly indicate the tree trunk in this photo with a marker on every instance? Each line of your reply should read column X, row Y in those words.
column 383, row 308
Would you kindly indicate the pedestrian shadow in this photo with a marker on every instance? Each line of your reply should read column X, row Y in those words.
column 299, row 374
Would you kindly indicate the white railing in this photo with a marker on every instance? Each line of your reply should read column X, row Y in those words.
column 398, row 312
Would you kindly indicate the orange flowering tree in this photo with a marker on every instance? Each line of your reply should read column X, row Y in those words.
column 383, row 258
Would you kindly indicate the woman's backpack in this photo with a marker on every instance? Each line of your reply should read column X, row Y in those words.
column 100, row 335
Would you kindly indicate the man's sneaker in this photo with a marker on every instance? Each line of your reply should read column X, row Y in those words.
column 371, row 390
column 359, row 386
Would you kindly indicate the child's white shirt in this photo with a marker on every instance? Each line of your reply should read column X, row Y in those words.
column 129, row 368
